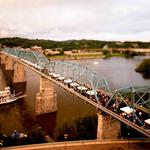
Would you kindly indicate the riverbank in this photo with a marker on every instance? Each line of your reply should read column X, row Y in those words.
column 75, row 57
column 89, row 56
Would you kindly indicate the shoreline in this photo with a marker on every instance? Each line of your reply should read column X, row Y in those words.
column 81, row 57
column 74, row 58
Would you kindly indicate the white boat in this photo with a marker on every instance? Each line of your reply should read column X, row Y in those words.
column 95, row 62
column 6, row 96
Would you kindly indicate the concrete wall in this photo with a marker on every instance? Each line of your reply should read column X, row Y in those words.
column 3, row 58
column 19, row 73
column 9, row 64
column 108, row 127
column 46, row 101
column 89, row 145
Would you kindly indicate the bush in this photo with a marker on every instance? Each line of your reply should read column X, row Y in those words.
column 144, row 67
column 79, row 129
column 37, row 135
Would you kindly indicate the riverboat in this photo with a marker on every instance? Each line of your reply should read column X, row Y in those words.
column 7, row 97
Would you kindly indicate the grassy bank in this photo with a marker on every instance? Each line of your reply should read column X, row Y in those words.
column 75, row 57
column 115, row 55
column 90, row 56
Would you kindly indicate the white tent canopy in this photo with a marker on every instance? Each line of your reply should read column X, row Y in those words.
column 56, row 75
column 81, row 88
column 91, row 92
column 51, row 73
column 74, row 84
column 147, row 121
column 127, row 109
column 61, row 78
column 67, row 81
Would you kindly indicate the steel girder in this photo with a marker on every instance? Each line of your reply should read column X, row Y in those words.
column 34, row 57
column 28, row 56
column 11, row 51
column 42, row 60
column 79, row 73
column 136, row 98
column 76, row 72
column 31, row 56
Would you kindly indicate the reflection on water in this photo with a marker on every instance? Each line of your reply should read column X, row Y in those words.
column 21, row 115
column 48, row 122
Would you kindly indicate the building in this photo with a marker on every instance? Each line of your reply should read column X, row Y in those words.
column 51, row 52
column 37, row 48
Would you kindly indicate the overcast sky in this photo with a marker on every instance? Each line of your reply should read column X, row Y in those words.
column 76, row 19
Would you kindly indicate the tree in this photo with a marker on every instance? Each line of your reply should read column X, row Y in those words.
column 79, row 129
column 144, row 68
column 37, row 135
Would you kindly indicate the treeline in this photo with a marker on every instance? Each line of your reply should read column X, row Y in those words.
column 71, row 44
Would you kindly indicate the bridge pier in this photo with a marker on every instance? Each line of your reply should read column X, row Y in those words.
column 19, row 73
column 46, row 101
column 9, row 64
column 2, row 58
column 108, row 127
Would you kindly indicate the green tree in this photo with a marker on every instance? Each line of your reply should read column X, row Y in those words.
column 37, row 135
column 144, row 67
column 79, row 129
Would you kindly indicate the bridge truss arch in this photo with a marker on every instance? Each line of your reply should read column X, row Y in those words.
column 80, row 74
column 12, row 51
column 33, row 57
column 135, row 101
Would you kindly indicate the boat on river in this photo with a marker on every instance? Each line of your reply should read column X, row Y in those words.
column 7, row 97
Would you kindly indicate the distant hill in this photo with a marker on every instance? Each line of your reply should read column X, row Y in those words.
column 72, row 44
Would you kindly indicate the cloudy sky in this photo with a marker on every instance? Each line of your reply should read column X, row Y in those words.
column 76, row 19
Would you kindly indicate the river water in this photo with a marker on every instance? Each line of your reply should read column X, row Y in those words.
column 118, row 71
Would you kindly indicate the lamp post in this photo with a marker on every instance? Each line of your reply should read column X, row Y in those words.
column 66, row 137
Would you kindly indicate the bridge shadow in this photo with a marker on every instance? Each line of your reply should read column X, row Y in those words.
column 47, row 122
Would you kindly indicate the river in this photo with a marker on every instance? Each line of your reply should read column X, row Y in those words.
column 118, row 71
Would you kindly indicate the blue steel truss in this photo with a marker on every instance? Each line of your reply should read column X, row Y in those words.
column 76, row 72
column 79, row 73
column 33, row 57
column 137, row 98
column 12, row 51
